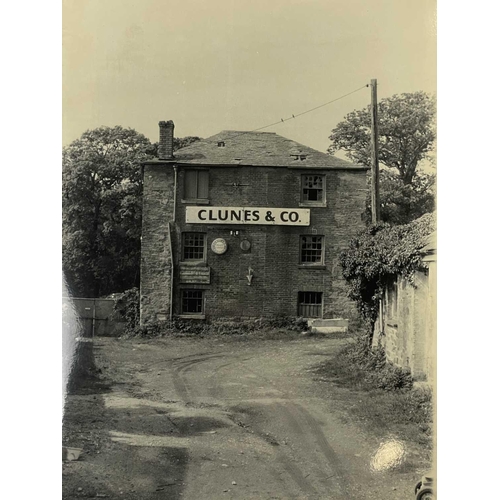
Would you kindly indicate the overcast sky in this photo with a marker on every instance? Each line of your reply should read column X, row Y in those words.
column 238, row 64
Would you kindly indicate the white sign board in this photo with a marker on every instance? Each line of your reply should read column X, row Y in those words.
column 248, row 215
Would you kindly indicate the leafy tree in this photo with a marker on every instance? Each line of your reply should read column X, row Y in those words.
column 402, row 203
column 102, row 209
column 406, row 133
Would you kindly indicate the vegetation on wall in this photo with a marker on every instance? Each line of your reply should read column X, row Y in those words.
column 380, row 253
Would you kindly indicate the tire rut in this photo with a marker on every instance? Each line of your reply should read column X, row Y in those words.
column 303, row 423
column 181, row 385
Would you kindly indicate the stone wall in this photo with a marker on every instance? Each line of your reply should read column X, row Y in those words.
column 409, row 334
column 157, row 210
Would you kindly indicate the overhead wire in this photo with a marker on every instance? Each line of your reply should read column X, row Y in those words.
column 282, row 120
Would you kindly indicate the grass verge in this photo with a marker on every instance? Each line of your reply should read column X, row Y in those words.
column 385, row 396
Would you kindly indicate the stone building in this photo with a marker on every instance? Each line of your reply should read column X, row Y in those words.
column 246, row 224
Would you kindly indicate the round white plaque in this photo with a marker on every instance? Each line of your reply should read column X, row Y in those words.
column 219, row 246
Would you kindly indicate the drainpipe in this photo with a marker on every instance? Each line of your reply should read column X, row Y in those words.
column 175, row 191
column 171, row 270
column 170, row 225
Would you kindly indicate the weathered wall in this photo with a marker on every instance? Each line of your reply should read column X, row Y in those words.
column 409, row 337
column 274, row 254
column 157, row 209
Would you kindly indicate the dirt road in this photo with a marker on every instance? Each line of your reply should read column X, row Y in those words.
column 216, row 419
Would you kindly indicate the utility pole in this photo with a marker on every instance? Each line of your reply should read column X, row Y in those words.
column 375, row 179
column 374, row 143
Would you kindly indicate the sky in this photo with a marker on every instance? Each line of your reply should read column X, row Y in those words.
column 239, row 64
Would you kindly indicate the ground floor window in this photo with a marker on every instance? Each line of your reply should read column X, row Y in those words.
column 192, row 301
column 310, row 304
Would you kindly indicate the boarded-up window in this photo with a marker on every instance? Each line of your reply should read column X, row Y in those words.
column 196, row 184
column 310, row 304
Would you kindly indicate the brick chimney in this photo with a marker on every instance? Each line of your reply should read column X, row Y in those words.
column 166, row 146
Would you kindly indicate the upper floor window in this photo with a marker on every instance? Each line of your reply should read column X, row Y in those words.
column 312, row 249
column 313, row 189
column 193, row 246
column 196, row 184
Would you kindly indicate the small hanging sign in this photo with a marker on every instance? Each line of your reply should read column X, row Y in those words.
column 219, row 246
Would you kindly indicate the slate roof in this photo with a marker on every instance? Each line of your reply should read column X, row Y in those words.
column 257, row 149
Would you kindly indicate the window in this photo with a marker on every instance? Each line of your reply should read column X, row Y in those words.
column 312, row 250
column 310, row 304
column 193, row 246
column 313, row 189
column 192, row 301
column 196, row 184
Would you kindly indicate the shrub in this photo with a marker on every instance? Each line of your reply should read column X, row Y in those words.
column 127, row 307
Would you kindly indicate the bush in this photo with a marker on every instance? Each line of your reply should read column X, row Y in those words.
column 127, row 307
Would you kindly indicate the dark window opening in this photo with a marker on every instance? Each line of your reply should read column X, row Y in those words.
column 193, row 246
column 221, row 144
column 392, row 301
column 313, row 188
column 192, row 301
column 196, row 185
column 310, row 304
column 311, row 249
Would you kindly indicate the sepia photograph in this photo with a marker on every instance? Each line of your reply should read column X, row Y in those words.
column 249, row 249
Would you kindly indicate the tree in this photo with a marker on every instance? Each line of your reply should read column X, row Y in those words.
column 406, row 133
column 102, row 209
column 402, row 203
